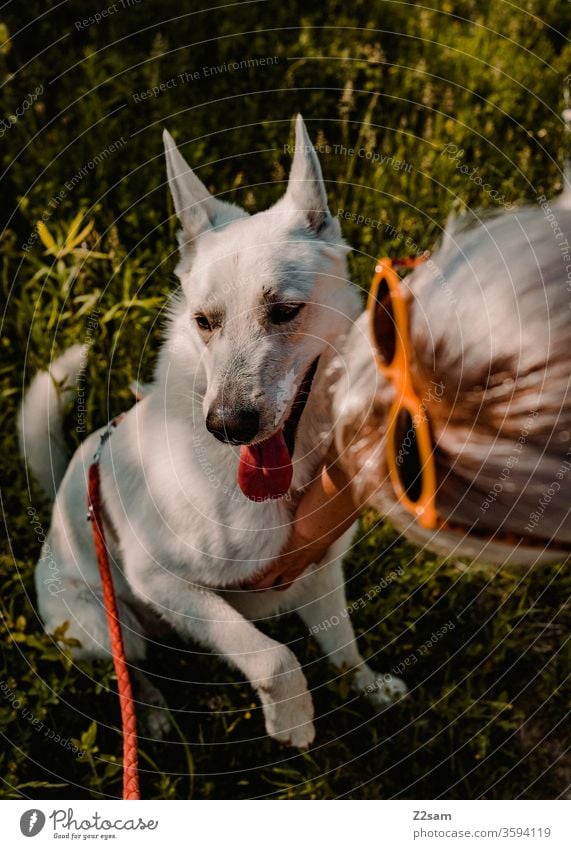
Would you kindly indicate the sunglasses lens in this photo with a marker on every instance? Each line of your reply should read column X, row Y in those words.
column 385, row 331
column 407, row 456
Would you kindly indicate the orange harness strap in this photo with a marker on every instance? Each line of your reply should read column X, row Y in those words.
column 128, row 718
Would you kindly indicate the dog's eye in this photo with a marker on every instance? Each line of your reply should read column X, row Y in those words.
column 282, row 313
column 202, row 322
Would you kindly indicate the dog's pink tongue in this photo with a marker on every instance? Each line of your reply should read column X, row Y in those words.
column 265, row 469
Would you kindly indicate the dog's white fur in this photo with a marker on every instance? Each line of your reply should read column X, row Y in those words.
column 182, row 535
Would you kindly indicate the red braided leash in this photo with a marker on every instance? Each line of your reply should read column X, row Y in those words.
column 411, row 261
column 128, row 718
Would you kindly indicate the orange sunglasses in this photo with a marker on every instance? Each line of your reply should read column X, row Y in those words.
column 410, row 447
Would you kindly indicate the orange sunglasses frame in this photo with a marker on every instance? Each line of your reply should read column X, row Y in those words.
column 398, row 372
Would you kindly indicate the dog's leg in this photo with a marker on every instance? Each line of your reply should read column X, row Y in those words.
column 203, row 615
column 322, row 605
column 81, row 606
column 156, row 722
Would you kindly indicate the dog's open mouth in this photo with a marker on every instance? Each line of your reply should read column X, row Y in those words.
column 266, row 468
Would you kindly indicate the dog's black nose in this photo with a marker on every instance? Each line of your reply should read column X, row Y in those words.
column 238, row 425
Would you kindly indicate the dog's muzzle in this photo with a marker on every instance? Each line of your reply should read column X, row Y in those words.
column 235, row 425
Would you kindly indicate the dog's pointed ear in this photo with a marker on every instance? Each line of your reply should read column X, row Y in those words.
column 306, row 189
column 196, row 209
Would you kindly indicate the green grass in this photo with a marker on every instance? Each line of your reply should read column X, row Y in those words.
column 488, row 705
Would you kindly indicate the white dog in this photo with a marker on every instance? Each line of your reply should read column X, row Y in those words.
column 200, row 479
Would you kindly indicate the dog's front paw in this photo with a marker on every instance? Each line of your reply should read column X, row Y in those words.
column 380, row 690
column 288, row 710
column 151, row 707
column 155, row 723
